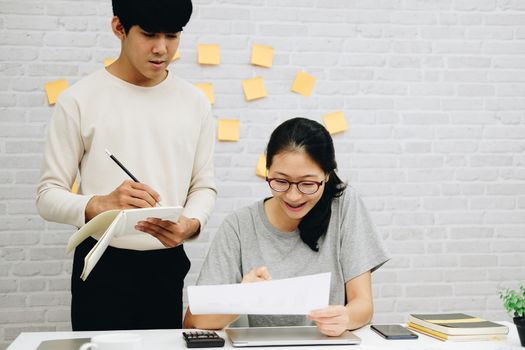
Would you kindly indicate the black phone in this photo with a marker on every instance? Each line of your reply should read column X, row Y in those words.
column 393, row 331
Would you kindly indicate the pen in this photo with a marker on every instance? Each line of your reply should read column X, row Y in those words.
column 121, row 166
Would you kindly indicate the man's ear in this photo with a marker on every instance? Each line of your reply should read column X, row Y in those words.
column 118, row 28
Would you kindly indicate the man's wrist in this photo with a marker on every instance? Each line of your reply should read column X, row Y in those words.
column 91, row 208
column 195, row 225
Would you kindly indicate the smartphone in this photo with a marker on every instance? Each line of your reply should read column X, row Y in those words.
column 393, row 331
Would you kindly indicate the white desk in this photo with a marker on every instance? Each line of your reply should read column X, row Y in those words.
column 172, row 339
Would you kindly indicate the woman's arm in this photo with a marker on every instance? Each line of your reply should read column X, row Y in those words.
column 207, row 321
column 257, row 274
column 335, row 319
column 360, row 305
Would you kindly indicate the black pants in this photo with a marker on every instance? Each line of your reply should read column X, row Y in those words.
column 128, row 289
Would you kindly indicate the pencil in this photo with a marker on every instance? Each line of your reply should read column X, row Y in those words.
column 121, row 166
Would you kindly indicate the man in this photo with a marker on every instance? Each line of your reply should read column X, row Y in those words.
column 161, row 128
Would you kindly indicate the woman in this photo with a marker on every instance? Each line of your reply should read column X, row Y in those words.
column 311, row 224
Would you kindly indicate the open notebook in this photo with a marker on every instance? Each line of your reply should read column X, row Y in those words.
column 115, row 224
column 287, row 336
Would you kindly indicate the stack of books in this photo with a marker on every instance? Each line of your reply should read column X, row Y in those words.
column 456, row 327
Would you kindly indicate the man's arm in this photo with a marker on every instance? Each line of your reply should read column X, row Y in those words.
column 202, row 191
column 62, row 155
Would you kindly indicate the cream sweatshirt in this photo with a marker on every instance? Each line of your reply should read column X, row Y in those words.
column 164, row 135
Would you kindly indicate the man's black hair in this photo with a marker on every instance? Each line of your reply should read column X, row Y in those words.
column 153, row 16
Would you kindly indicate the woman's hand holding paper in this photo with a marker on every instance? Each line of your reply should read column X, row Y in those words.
column 257, row 274
column 332, row 320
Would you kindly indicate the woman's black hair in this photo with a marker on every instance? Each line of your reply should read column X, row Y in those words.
column 301, row 134
column 153, row 16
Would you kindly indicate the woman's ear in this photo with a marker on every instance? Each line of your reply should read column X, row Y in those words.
column 118, row 28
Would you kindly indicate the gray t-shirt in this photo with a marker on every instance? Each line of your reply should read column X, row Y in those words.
column 246, row 239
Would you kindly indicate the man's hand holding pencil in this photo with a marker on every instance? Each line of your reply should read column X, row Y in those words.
column 131, row 194
column 128, row 195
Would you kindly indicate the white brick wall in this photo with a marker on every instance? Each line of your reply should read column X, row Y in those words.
column 434, row 93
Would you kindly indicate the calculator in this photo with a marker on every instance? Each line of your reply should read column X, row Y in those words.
column 203, row 339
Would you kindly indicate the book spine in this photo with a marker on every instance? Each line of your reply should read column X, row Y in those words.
column 458, row 331
column 427, row 331
column 458, row 338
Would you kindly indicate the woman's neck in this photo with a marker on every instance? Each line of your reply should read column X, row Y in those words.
column 278, row 218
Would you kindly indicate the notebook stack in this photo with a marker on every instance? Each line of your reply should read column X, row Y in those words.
column 456, row 327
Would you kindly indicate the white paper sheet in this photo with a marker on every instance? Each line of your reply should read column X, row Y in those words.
column 291, row 296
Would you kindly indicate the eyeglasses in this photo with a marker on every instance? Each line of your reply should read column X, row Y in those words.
column 283, row 185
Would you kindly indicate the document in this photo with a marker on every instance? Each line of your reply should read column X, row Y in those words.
column 114, row 224
column 291, row 296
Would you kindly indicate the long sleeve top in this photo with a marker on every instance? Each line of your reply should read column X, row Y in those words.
column 163, row 134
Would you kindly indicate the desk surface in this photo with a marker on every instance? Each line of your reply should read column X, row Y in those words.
column 172, row 339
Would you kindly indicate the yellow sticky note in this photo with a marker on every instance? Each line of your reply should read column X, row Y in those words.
column 335, row 122
column 261, row 166
column 109, row 61
column 229, row 130
column 74, row 188
column 254, row 88
column 209, row 54
column 207, row 88
column 262, row 55
column 53, row 89
column 303, row 84
column 176, row 56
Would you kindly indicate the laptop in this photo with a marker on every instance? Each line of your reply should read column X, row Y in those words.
column 287, row 336
column 62, row 344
